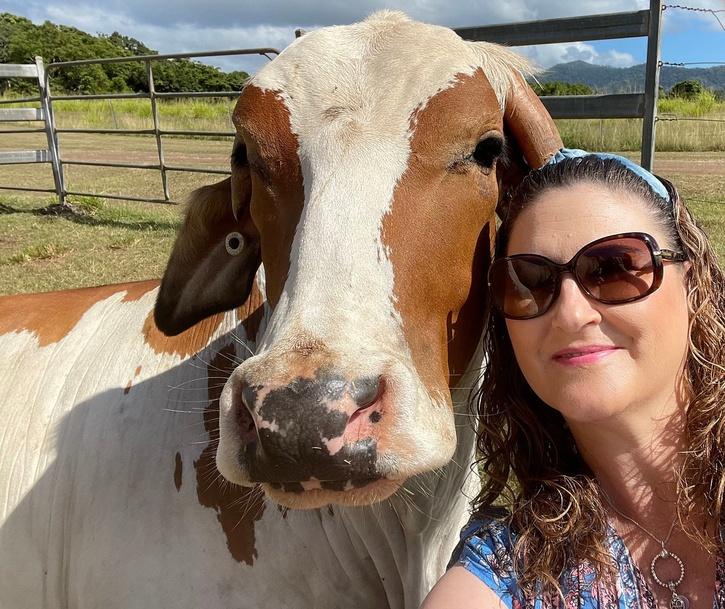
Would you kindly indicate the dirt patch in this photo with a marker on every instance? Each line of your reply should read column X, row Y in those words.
column 700, row 167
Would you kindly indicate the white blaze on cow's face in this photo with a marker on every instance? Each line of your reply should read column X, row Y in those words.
column 372, row 150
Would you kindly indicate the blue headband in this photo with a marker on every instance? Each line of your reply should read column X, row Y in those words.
column 571, row 153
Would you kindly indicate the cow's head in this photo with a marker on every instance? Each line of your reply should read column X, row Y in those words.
column 365, row 175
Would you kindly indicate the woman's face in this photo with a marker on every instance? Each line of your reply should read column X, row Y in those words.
column 641, row 345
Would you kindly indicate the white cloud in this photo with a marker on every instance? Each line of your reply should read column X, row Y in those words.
column 190, row 25
column 615, row 59
column 180, row 38
column 293, row 13
column 551, row 54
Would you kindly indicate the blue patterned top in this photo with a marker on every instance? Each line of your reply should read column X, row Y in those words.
column 485, row 550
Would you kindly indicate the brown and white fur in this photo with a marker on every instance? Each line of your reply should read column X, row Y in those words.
column 365, row 175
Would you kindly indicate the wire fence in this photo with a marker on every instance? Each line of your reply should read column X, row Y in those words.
column 714, row 13
column 682, row 64
column 689, row 118
column 663, row 119
column 694, row 9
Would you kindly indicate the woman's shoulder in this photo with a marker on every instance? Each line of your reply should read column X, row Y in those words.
column 485, row 549
column 489, row 533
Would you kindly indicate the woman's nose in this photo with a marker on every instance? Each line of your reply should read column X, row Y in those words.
column 573, row 309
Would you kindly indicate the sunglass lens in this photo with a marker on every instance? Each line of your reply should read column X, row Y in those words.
column 616, row 271
column 522, row 287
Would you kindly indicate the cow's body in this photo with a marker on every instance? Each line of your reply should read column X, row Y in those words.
column 368, row 163
column 110, row 497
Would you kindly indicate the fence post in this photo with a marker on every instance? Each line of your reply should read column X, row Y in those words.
column 651, row 85
column 157, row 132
column 50, row 132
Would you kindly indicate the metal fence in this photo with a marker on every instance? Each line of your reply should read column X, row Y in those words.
column 595, row 27
column 35, row 71
column 46, row 113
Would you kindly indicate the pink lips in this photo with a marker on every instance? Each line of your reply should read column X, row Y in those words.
column 585, row 354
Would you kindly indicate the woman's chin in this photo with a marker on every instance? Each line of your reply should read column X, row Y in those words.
column 588, row 404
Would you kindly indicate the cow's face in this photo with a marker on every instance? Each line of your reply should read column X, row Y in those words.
column 365, row 175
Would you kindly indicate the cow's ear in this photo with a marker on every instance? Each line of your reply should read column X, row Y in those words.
column 531, row 125
column 215, row 257
column 532, row 136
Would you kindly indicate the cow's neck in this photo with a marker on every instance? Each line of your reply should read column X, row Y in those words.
column 401, row 546
column 418, row 527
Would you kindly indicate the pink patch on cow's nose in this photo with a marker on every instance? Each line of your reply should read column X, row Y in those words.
column 369, row 411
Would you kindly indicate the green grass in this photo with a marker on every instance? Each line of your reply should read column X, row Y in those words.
column 626, row 134
column 197, row 115
column 209, row 114
column 100, row 243
column 41, row 251
column 677, row 131
column 108, row 241
column 702, row 105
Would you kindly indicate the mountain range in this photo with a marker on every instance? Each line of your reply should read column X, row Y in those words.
column 606, row 79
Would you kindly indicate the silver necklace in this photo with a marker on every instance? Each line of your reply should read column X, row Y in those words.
column 678, row 601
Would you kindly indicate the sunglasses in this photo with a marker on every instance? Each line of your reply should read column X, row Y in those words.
column 612, row 270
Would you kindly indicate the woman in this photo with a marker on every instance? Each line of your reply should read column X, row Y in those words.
column 602, row 412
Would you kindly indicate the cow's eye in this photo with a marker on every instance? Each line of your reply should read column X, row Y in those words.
column 234, row 243
column 488, row 150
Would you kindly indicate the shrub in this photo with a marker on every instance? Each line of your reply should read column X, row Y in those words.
column 687, row 89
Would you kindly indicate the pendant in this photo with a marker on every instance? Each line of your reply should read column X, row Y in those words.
column 679, row 601
column 664, row 554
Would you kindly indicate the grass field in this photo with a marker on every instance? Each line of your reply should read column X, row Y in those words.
column 214, row 114
column 111, row 241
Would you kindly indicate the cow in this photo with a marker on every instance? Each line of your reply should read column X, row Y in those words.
column 282, row 422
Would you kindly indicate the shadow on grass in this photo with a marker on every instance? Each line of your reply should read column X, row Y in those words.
column 73, row 214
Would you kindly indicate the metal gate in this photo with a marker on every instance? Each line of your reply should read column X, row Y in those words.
column 35, row 71
column 594, row 27
column 55, row 154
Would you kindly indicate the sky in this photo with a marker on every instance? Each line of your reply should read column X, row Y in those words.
column 175, row 26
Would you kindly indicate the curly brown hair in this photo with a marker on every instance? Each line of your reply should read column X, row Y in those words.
column 528, row 458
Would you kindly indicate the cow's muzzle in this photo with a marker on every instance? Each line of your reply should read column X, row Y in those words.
column 314, row 432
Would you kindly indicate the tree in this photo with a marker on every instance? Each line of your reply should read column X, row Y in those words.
column 21, row 40
column 557, row 87
column 133, row 46
column 687, row 89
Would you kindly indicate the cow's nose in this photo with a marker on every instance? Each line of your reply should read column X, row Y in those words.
column 322, row 427
column 365, row 391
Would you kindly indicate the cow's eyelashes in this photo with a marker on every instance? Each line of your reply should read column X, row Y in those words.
column 487, row 151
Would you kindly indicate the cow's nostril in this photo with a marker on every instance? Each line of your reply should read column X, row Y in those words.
column 365, row 391
column 245, row 421
column 249, row 397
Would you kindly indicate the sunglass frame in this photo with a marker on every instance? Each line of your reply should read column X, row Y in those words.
column 657, row 254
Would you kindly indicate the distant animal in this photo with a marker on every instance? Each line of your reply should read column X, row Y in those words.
column 327, row 301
